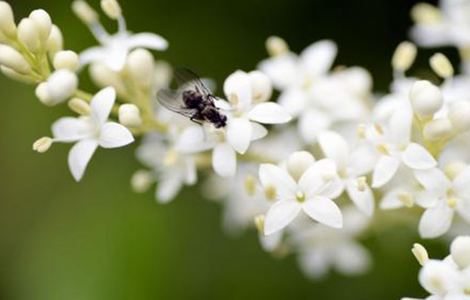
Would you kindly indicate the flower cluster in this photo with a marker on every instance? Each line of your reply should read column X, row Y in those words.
column 448, row 278
column 312, row 170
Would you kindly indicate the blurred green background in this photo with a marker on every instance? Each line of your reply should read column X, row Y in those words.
column 98, row 240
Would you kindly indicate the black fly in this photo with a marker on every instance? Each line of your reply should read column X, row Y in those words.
column 192, row 99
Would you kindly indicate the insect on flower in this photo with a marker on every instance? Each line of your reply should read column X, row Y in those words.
column 192, row 99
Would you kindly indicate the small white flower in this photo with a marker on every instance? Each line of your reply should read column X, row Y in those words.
column 114, row 48
column 311, row 193
column 446, row 196
column 395, row 148
column 91, row 132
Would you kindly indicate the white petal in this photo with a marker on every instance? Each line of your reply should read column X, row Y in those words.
column 272, row 175
column 312, row 181
column 334, row 146
column 391, row 200
column 384, row 170
column 434, row 181
column 224, row 160
column 79, row 157
column 364, row 200
column 311, row 123
column 192, row 140
column 238, row 84
column 463, row 208
column 168, row 187
column 280, row 215
column 436, row 221
column 269, row 243
column 400, row 126
column 70, row 129
column 94, row 54
column 318, row 57
column 114, row 135
column 147, row 40
column 324, row 210
column 315, row 262
column 239, row 131
column 190, row 176
column 462, row 182
column 352, row 258
column 258, row 131
column 115, row 58
column 102, row 104
column 418, row 158
column 294, row 101
column 269, row 113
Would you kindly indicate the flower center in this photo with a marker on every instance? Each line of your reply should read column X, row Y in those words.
column 300, row 197
column 452, row 199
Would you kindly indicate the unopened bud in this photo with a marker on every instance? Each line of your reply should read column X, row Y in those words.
column 111, row 8
column 28, row 34
column 84, row 12
column 43, row 23
column 79, row 106
column 404, row 56
column 141, row 65
column 43, row 144
column 259, row 223
column 441, row 65
column 66, row 60
column 141, row 181
column 459, row 115
column 12, row 74
column 163, row 74
column 61, row 85
column 12, row 59
column 7, row 20
column 460, row 251
column 129, row 115
column 427, row 14
column 55, row 43
column 420, row 253
column 438, row 129
column 42, row 93
column 104, row 77
column 426, row 98
column 298, row 163
column 276, row 46
column 260, row 86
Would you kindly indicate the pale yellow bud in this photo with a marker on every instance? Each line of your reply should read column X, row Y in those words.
column 79, row 106
column 55, row 43
column 298, row 163
column 12, row 74
column 404, row 56
column 84, row 12
column 426, row 98
column 424, row 13
column 43, row 23
column 42, row 93
column 104, row 77
column 261, row 86
column 420, row 253
column 460, row 251
column 43, row 144
column 7, row 20
column 66, row 60
column 276, row 46
column 141, row 65
column 12, row 59
column 129, row 115
column 441, row 65
column 111, row 8
column 141, row 181
column 28, row 34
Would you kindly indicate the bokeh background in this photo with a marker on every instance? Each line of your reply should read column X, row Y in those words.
column 98, row 240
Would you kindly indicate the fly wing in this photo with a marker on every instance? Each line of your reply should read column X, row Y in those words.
column 187, row 79
column 174, row 101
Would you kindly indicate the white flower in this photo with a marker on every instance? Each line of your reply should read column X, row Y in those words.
column 403, row 191
column 395, row 148
column 311, row 193
column 446, row 197
column 172, row 169
column 114, row 48
column 321, row 248
column 91, row 132
column 352, row 166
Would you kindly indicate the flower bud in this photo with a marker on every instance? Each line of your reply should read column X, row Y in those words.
column 12, row 74
column 12, row 59
column 79, row 106
column 7, row 20
column 460, row 251
column 163, row 74
column 426, row 98
column 43, row 23
column 55, row 43
column 43, row 144
column 438, row 129
column 104, row 77
column 66, row 60
column 84, row 12
column 459, row 115
column 298, row 163
column 276, row 46
column 141, row 65
column 420, row 253
column 129, row 115
column 42, row 93
column 424, row 13
column 28, row 34
column 61, row 85
column 111, row 8
column 441, row 65
column 141, row 181
column 261, row 86
column 404, row 56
